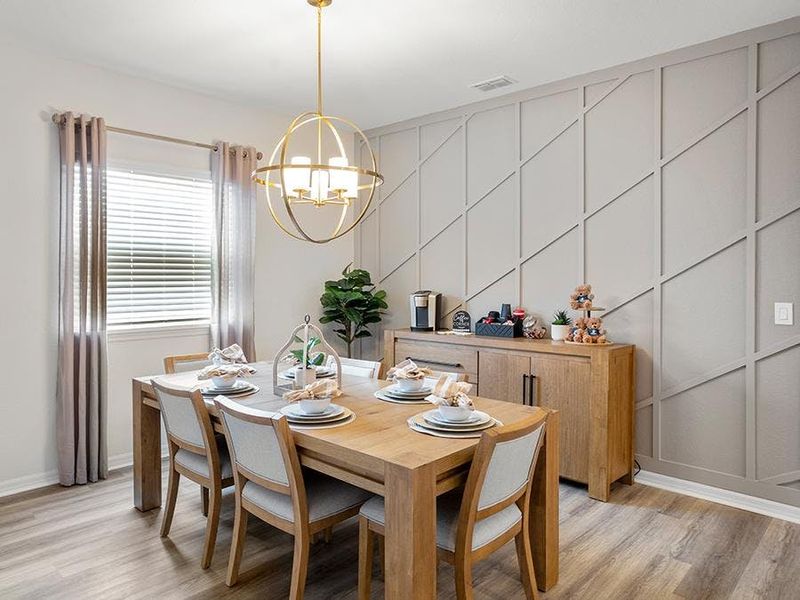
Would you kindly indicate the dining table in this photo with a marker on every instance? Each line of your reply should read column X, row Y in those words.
column 379, row 452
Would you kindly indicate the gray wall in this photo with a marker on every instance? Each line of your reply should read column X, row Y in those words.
column 672, row 185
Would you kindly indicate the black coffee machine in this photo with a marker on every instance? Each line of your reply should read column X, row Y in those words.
column 426, row 308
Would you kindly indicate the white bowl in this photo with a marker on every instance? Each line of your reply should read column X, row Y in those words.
column 456, row 414
column 224, row 382
column 314, row 406
column 410, row 385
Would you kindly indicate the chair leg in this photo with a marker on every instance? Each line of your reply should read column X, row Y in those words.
column 299, row 564
column 172, row 497
column 365, row 555
column 327, row 534
column 525, row 558
column 212, row 523
column 237, row 545
column 463, row 568
column 204, row 498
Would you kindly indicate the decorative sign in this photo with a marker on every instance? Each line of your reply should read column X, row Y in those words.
column 462, row 321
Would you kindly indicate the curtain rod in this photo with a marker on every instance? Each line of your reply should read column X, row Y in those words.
column 161, row 138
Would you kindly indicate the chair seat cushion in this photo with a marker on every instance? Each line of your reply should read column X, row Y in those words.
column 326, row 497
column 447, row 509
column 197, row 463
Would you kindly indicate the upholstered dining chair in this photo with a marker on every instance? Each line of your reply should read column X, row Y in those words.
column 356, row 367
column 270, row 485
column 195, row 453
column 180, row 363
column 472, row 523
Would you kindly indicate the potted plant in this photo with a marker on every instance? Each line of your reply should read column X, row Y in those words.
column 561, row 325
column 353, row 303
column 307, row 373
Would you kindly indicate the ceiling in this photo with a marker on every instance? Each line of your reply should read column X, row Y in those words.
column 384, row 61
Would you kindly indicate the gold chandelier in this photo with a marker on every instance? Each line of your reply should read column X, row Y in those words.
column 301, row 181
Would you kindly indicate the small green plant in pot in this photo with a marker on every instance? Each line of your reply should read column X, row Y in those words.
column 561, row 325
column 313, row 359
column 353, row 303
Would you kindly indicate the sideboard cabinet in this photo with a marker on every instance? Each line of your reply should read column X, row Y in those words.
column 591, row 386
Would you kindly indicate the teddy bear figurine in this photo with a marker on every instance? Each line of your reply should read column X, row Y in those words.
column 582, row 297
column 576, row 333
column 594, row 331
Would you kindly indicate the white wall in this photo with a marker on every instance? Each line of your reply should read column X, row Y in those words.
column 289, row 273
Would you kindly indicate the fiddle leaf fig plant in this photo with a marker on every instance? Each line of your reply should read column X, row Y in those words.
column 353, row 303
column 313, row 359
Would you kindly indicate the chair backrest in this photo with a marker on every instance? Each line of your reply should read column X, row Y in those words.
column 262, row 449
column 357, row 367
column 502, row 469
column 180, row 363
column 185, row 417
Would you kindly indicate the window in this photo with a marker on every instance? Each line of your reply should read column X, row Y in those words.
column 159, row 248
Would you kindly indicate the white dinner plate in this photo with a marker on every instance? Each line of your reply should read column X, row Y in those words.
column 444, row 434
column 395, row 391
column 421, row 422
column 476, row 418
column 342, row 416
column 381, row 395
column 293, row 411
column 231, row 392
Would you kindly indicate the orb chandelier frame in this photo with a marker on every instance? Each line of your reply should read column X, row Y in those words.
column 301, row 181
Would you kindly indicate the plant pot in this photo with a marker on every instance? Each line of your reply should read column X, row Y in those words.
column 559, row 332
column 302, row 377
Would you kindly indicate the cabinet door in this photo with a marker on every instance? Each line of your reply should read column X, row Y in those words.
column 564, row 383
column 502, row 374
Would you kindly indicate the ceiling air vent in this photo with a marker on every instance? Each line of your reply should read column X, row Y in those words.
column 493, row 83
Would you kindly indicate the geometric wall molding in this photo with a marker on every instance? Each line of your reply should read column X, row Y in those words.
column 671, row 184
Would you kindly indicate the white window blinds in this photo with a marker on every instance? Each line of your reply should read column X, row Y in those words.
column 159, row 248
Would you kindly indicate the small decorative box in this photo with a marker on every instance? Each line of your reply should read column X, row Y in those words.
column 499, row 329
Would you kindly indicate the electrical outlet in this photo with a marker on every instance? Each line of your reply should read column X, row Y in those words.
column 784, row 313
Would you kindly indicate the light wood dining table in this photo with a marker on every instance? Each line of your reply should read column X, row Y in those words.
column 377, row 452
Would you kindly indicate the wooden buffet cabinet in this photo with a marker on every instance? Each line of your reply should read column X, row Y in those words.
column 592, row 387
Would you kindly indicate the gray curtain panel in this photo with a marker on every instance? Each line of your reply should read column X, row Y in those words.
column 81, row 389
column 233, row 273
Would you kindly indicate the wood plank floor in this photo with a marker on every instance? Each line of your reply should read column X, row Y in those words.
column 90, row 543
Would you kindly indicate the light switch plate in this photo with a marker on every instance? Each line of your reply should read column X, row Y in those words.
column 784, row 313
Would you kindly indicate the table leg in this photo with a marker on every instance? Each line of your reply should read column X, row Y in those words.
column 410, row 533
column 544, row 508
column 146, row 452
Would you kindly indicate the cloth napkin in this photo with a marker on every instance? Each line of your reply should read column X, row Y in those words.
column 408, row 370
column 451, row 393
column 227, row 370
column 321, row 388
column 233, row 354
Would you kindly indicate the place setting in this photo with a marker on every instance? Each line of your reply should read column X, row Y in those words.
column 410, row 384
column 455, row 415
column 227, row 374
column 312, row 406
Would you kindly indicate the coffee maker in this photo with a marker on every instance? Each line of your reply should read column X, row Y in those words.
column 426, row 308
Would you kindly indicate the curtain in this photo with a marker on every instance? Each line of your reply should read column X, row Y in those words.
column 81, row 394
column 233, row 272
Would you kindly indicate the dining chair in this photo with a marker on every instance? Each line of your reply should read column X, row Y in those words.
column 356, row 367
column 180, row 363
column 195, row 453
column 474, row 522
column 271, row 485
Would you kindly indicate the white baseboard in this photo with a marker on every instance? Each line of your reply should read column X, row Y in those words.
column 761, row 506
column 26, row 483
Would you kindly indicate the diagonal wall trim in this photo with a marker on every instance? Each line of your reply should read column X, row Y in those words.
column 525, row 259
column 731, row 241
column 387, row 195
column 709, row 375
column 644, row 403
column 452, row 222
column 777, row 348
column 636, row 295
column 618, row 84
column 424, row 159
column 488, row 285
column 764, row 223
column 398, row 267
column 640, row 179
column 771, row 87
column 505, row 178
column 703, row 134
column 782, row 478
column 562, row 130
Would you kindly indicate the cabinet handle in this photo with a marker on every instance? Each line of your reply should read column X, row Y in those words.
column 524, row 388
column 532, row 392
column 435, row 362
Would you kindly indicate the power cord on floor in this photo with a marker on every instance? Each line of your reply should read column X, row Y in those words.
column 638, row 467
